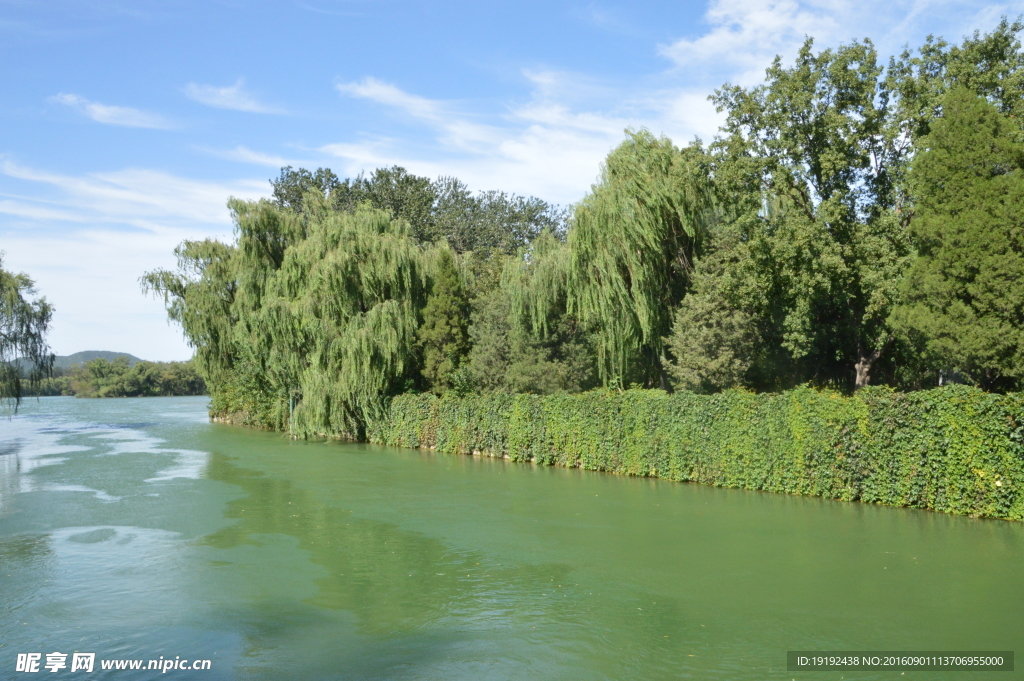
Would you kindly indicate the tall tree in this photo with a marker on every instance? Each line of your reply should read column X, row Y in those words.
column 632, row 246
column 524, row 338
column 443, row 337
column 807, row 170
column 305, row 322
column 964, row 294
column 715, row 341
column 24, row 322
column 814, row 208
column 404, row 196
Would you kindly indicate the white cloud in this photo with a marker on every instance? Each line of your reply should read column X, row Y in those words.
column 459, row 131
column 229, row 97
column 33, row 211
column 539, row 148
column 72, row 239
column 745, row 35
column 244, row 154
column 544, row 146
column 685, row 114
column 142, row 198
column 113, row 115
column 744, row 31
column 385, row 93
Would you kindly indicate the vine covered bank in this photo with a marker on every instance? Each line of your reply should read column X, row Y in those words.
column 954, row 449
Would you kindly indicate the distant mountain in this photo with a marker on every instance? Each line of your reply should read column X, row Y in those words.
column 64, row 362
column 68, row 361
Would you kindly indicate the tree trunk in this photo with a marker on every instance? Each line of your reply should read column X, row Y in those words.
column 867, row 360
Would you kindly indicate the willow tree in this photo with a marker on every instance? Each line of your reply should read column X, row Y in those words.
column 23, row 326
column 632, row 246
column 308, row 321
column 524, row 338
column 200, row 297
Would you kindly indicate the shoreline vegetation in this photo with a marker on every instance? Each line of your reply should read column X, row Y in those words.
column 120, row 377
column 954, row 449
column 827, row 298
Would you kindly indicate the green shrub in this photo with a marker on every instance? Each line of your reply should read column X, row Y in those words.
column 954, row 449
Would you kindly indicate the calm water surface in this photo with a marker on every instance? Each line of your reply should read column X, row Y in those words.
column 134, row 528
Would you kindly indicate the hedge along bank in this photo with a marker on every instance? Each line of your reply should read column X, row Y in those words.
column 953, row 449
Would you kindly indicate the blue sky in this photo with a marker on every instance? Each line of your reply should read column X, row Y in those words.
column 126, row 124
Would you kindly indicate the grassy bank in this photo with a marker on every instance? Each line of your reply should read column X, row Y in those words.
column 953, row 449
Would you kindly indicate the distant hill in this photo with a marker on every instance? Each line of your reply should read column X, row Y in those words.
column 68, row 361
column 64, row 362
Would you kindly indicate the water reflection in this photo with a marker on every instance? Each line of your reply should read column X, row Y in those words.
column 392, row 579
column 420, row 594
column 9, row 483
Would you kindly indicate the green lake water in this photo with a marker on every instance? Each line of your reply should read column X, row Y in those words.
column 134, row 528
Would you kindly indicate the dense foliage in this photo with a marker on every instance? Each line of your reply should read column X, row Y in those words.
column 434, row 210
column 632, row 247
column 120, row 378
column 23, row 326
column 102, row 378
column 334, row 297
column 853, row 223
column 954, row 449
column 443, row 336
column 806, row 263
column 964, row 294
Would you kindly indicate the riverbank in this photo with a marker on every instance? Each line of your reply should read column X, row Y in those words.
column 953, row 449
column 177, row 536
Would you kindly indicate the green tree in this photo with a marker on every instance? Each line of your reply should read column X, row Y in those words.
column 964, row 294
column 443, row 337
column 813, row 211
column 305, row 322
column 443, row 209
column 492, row 220
column 394, row 190
column 989, row 64
column 119, row 378
column 524, row 338
column 715, row 341
column 631, row 247
column 506, row 357
column 24, row 322
column 291, row 187
column 810, row 162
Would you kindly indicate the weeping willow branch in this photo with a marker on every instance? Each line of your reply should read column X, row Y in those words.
column 24, row 353
column 307, row 321
column 631, row 249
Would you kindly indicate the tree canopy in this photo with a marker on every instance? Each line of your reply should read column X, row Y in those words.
column 632, row 246
column 853, row 222
column 24, row 354
column 964, row 295
column 444, row 209
column 815, row 213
